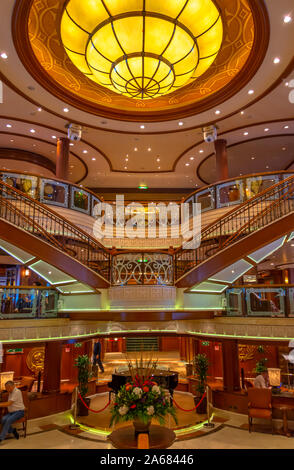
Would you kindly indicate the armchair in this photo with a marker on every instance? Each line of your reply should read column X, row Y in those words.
column 259, row 405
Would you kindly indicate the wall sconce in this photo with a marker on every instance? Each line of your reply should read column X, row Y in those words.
column 274, row 376
column 27, row 272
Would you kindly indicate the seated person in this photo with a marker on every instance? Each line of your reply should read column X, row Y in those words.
column 261, row 381
column 16, row 409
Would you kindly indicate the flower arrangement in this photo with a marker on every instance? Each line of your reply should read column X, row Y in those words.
column 141, row 399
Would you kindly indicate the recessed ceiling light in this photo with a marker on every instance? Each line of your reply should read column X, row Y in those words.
column 126, row 159
column 252, row 158
column 246, row 133
column 11, row 140
column 287, row 84
column 272, row 264
column 94, row 159
column 286, row 127
column 158, row 159
column 181, row 123
column 158, row 167
column 135, row 149
column 242, row 112
column 142, row 127
column 267, row 166
column 277, row 60
column 266, row 129
column 287, row 19
column 8, row 125
column 49, row 272
column 71, row 144
column 187, row 164
column 250, row 92
column 217, row 111
column 85, row 151
column 32, row 131
column 126, row 167
column 284, row 148
column 191, row 158
column 66, row 110
column 201, row 151
column 54, row 137
column 149, row 149
column 4, row 55
column 39, row 109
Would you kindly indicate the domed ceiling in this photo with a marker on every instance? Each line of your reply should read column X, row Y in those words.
column 142, row 58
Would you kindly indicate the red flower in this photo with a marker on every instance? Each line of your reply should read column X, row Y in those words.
column 146, row 389
column 115, row 404
column 133, row 406
column 128, row 387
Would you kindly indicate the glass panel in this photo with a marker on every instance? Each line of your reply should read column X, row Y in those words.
column 206, row 199
column 232, row 273
column 26, row 184
column 291, row 301
column 230, row 193
column 28, row 303
column 80, row 200
column 95, row 201
column 265, row 302
column 52, row 192
column 258, row 184
column 234, row 302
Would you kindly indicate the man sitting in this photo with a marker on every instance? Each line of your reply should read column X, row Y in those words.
column 15, row 407
column 261, row 381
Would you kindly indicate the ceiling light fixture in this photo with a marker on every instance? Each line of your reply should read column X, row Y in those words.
column 217, row 111
column 135, row 149
column 286, row 127
column 149, row 149
column 246, row 133
column 181, row 123
column 287, row 19
column 8, row 125
column 201, row 151
column 250, row 92
column 66, row 110
column 277, row 60
column 142, row 127
column 54, row 137
column 32, row 131
column 85, row 151
column 39, row 109
column 266, row 129
column 181, row 41
column 4, row 55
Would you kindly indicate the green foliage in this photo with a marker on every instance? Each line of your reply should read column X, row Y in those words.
column 149, row 402
column 261, row 366
column 201, row 365
column 83, row 364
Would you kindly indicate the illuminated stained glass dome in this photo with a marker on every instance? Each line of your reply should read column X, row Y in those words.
column 142, row 49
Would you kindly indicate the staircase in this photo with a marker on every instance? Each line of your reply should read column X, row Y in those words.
column 31, row 216
column 270, row 206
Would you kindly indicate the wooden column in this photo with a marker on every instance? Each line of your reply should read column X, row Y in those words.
column 52, row 367
column 231, row 372
column 62, row 158
column 221, row 155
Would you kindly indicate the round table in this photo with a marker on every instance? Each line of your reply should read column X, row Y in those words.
column 159, row 437
column 284, row 408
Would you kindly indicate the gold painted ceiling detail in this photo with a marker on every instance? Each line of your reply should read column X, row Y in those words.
column 142, row 49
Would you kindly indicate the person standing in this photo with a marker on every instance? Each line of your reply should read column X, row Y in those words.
column 97, row 356
column 16, row 409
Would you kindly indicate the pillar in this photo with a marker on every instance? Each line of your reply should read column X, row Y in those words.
column 231, row 372
column 221, row 155
column 52, row 367
column 62, row 158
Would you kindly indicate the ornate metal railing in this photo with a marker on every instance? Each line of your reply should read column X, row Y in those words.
column 30, row 215
column 263, row 209
column 142, row 269
column 28, row 302
column 55, row 192
column 261, row 301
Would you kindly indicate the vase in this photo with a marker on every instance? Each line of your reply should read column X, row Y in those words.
column 202, row 408
column 141, row 427
column 82, row 410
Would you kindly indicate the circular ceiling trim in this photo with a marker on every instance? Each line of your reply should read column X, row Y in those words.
column 174, row 106
column 254, row 139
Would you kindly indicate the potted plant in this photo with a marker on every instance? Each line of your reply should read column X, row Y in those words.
column 83, row 364
column 139, row 401
column 201, row 365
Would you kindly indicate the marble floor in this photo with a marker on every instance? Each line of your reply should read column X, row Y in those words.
column 230, row 432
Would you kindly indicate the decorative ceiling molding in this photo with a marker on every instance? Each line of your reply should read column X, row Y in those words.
column 227, row 132
column 26, row 156
column 254, row 139
column 114, row 107
column 36, row 139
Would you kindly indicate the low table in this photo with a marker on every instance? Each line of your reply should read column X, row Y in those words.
column 284, row 409
column 159, row 437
